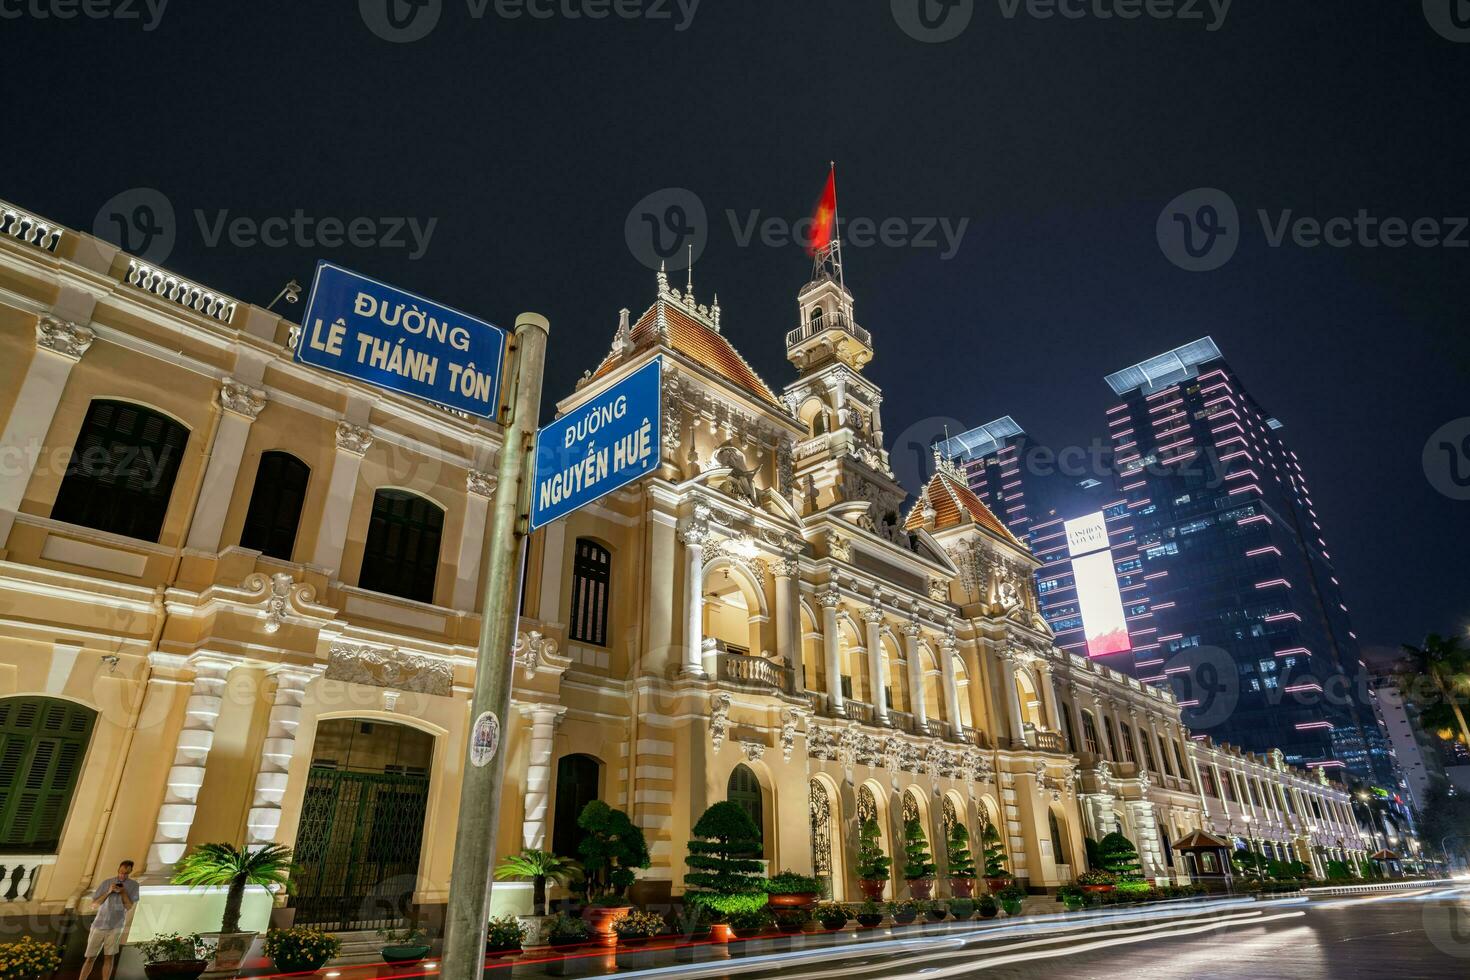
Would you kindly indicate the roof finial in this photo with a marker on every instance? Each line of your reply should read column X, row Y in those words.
column 663, row 278
column 689, row 287
column 714, row 313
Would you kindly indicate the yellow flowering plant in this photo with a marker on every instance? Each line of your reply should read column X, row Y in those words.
column 299, row 948
column 27, row 959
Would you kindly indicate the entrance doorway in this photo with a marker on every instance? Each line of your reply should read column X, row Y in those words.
column 362, row 825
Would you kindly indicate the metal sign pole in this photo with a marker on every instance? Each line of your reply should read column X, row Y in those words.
column 484, row 762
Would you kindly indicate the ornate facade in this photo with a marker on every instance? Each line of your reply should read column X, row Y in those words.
column 254, row 619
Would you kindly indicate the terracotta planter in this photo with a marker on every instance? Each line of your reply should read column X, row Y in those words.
column 996, row 884
column 962, row 887
column 872, row 888
column 1097, row 889
column 721, row 932
column 601, row 918
column 176, row 969
column 796, row 900
column 922, row 889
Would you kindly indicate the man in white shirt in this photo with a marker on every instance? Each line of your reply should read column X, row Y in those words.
column 114, row 899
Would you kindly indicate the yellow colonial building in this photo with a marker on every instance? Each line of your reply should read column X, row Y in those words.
column 238, row 602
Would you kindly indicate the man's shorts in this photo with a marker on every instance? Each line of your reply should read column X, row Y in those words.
column 105, row 941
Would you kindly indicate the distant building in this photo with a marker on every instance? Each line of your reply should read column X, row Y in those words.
column 1235, row 558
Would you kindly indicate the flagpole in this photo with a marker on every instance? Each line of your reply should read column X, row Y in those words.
column 837, row 228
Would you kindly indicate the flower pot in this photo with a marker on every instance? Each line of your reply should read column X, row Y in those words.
column 935, row 915
column 996, row 884
column 796, row 900
column 904, row 918
column 495, row 952
column 989, row 911
column 750, row 932
column 790, row 925
column 176, row 969
column 921, row 889
column 300, row 966
column 869, row 921
column 962, row 887
column 721, row 932
column 536, row 930
column 601, row 919
column 1074, row 906
column 832, row 923
column 634, row 941
column 406, row 954
column 1012, row 906
column 1097, row 889
column 872, row 888
column 231, row 951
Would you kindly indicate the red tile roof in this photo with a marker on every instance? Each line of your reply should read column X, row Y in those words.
column 954, row 505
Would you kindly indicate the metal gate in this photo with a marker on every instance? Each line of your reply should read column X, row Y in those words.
column 357, row 850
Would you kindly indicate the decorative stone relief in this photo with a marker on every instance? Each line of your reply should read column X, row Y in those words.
column 535, row 652
column 356, row 663
column 789, row 720
column 754, row 751
column 480, row 483
column 719, row 720
column 355, row 439
column 241, row 399
column 277, row 590
column 63, row 337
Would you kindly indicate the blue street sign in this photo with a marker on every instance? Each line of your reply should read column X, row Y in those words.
column 598, row 447
column 393, row 339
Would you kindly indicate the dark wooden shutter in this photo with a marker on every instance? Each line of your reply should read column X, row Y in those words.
column 42, row 744
column 591, row 589
column 401, row 556
column 122, row 470
column 275, row 505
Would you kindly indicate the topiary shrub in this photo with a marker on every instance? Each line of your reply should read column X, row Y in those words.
column 722, row 861
column 917, row 861
column 872, row 863
column 1119, row 857
column 612, row 848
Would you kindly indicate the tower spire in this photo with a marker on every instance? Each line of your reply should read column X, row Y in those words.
column 689, row 287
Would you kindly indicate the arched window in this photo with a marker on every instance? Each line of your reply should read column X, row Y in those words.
column 1127, row 735
column 401, row 556
column 591, row 581
column 1089, row 733
column 745, row 789
column 42, row 742
column 1164, row 756
column 577, row 777
column 1058, row 846
column 275, row 505
column 1112, row 741
column 122, row 470
column 1146, row 740
column 1168, row 846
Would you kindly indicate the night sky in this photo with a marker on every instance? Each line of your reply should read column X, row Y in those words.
column 1061, row 141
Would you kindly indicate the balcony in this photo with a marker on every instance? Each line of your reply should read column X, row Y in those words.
column 753, row 673
column 1049, row 741
column 861, row 711
column 18, row 875
column 825, row 322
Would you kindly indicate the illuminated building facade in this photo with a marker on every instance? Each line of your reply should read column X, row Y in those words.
column 1234, row 555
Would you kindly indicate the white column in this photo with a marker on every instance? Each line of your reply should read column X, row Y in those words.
column 916, row 674
column 240, row 405
column 353, row 442
column 479, row 487
column 1139, row 735
column 830, row 600
column 186, row 775
column 948, row 649
column 695, row 534
column 788, row 621
column 1013, row 699
column 544, row 719
column 264, row 817
column 876, row 670
column 59, row 346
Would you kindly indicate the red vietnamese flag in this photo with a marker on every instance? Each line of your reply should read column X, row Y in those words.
column 825, row 219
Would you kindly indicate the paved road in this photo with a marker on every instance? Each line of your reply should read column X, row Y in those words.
column 1422, row 936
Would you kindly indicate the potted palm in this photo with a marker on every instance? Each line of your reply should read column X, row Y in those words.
column 540, row 867
column 918, row 863
column 724, row 875
column 872, row 864
column 170, row 956
column 997, row 874
column 403, row 947
column 234, row 869
column 612, row 847
column 961, row 864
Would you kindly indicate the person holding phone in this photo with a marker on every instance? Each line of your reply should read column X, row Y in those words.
column 114, row 899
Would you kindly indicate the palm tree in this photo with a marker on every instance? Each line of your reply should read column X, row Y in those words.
column 213, row 865
column 1447, row 665
column 540, row 867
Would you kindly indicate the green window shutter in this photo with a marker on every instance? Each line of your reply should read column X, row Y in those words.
column 42, row 744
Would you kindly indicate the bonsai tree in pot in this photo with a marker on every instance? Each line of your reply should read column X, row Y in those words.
column 961, row 864
column 612, row 848
column 918, row 863
column 997, row 871
column 233, row 868
column 1119, row 857
column 724, row 874
column 872, row 864
column 791, row 890
column 171, row 956
column 540, row 867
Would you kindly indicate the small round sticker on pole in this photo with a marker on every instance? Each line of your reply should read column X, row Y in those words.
column 484, row 740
